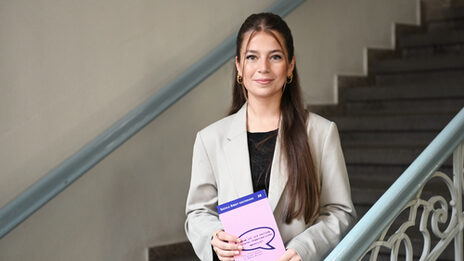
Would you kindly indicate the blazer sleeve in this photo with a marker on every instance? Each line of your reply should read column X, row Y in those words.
column 337, row 213
column 202, row 218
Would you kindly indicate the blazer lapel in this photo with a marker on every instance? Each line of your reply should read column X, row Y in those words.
column 236, row 151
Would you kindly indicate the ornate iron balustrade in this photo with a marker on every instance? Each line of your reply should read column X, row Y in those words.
column 434, row 210
column 376, row 231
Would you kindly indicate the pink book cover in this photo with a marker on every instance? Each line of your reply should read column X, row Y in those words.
column 250, row 218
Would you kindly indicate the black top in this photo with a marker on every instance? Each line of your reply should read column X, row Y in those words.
column 261, row 147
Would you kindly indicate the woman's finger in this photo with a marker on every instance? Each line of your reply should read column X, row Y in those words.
column 290, row 255
column 226, row 258
column 226, row 254
column 224, row 245
column 224, row 249
column 226, row 241
column 285, row 257
column 224, row 236
column 228, row 246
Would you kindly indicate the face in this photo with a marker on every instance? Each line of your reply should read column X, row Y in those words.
column 263, row 65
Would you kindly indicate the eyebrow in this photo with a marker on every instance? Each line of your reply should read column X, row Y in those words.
column 272, row 51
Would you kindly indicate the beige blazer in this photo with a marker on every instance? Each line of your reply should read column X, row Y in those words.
column 221, row 173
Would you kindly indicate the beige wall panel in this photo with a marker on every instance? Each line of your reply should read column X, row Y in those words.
column 69, row 70
column 133, row 199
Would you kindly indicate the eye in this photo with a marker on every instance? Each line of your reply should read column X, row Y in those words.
column 276, row 57
column 251, row 57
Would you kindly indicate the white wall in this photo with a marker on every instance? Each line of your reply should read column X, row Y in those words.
column 69, row 69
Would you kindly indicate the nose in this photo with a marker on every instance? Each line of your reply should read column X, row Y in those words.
column 263, row 66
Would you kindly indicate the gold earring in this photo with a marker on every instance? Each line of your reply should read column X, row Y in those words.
column 239, row 79
column 290, row 79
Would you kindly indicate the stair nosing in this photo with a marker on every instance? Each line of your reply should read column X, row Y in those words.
column 387, row 92
column 421, row 64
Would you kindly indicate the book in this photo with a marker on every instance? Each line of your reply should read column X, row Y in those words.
column 250, row 218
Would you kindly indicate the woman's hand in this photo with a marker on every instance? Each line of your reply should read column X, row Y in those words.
column 226, row 245
column 290, row 255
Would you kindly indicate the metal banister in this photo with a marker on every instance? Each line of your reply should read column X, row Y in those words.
column 37, row 195
column 405, row 188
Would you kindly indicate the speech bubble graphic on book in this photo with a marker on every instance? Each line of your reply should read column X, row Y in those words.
column 258, row 238
column 252, row 218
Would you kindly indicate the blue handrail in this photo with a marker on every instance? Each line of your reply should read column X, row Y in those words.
column 32, row 199
column 389, row 206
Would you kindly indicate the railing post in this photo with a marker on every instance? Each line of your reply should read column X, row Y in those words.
column 458, row 159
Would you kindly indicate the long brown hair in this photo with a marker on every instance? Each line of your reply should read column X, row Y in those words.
column 303, row 184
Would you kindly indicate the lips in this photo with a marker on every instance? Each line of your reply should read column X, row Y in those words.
column 263, row 81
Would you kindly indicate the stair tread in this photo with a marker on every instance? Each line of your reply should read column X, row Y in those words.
column 451, row 24
column 386, row 139
column 412, row 106
column 441, row 76
column 442, row 37
column 384, row 156
column 439, row 62
column 369, row 195
column 395, row 156
column 445, row 14
column 393, row 122
column 383, row 171
column 446, row 89
column 383, row 182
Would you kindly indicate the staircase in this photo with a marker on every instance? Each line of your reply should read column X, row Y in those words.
column 387, row 118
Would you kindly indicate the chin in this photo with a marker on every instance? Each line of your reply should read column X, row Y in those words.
column 267, row 94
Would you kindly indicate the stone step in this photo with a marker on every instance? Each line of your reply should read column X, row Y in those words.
column 451, row 89
column 437, row 14
column 405, row 107
column 383, row 156
column 374, row 171
column 388, row 173
column 432, row 39
column 430, row 51
column 441, row 42
column 441, row 76
column 457, row 24
column 430, row 122
column 366, row 193
column 386, row 138
column 181, row 251
column 444, row 19
column 421, row 64
column 383, row 182
column 365, row 197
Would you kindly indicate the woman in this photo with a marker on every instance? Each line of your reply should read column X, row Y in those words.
column 269, row 142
